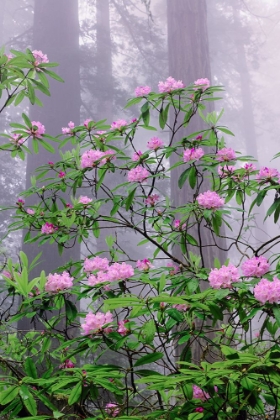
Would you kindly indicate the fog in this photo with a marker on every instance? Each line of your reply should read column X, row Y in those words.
column 106, row 48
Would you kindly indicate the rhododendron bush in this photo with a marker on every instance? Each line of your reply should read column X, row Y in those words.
column 166, row 336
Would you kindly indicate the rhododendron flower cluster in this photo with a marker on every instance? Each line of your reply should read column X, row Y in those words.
column 68, row 130
column 67, row 365
column 221, row 278
column 30, row 211
column 118, row 125
column 105, row 271
column 155, row 143
column 226, row 171
column 177, row 224
column 255, row 267
column 61, row 174
column 39, row 57
column 37, row 129
column 193, row 154
column 175, row 268
column 86, row 122
column 112, row 409
column 17, row 139
column 20, row 202
column 90, row 158
column 210, row 200
column 199, row 394
column 84, row 199
column 202, row 83
column 57, row 282
column 136, row 156
column 138, row 174
column 122, row 328
column 152, row 199
column 144, row 264
column 142, row 90
column 96, row 322
column 169, row 85
column 249, row 167
column 268, row 291
column 48, row 228
column 226, row 154
column 267, row 174
column 181, row 307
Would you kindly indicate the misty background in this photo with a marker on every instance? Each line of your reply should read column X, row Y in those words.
column 105, row 48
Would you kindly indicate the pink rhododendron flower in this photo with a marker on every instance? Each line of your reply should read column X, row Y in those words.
column 39, row 57
column 267, row 174
column 86, row 122
column 169, row 85
column 7, row 274
column 199, row 410
column 96, row 322
column 51, row 163
column 68, row 130
column 222, row 278
column 118, row 125
column 198, row 138
column 268, row 291
column 181, row 307
column 255, row 267
column 210, row 200
column 57, row 282
column 199, row 394
column 121, row 271
column 84, row 199
column 37, row 129
column 136, row 156
column 67, row 365
column 138, row 174
column 155, row 143
column 30, row 211
column 152, row 199
column 90, row 157
column 177, row 224
column 249, row 167
column 96, row 263
column 101, row 132
column 144, row 265
column 192, row 154
column 225, row 171
column 100, row 277
column 121, row 327
column 202, row 84
column 69, row 205
column 142, row 90
column 112, row 409
column 175, row 268
column 48, row 228
column 61, row 174
column 17, row 139
column 20, row 202
column 226, row 154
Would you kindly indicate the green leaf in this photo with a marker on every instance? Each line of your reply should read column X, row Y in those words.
column 75, row 394
column 19, row 98
column 30, row 368
column 130, row 199
column 53, row 75
column 192, row 177
column 183, row 177
column 145, row 113
column 163, row 115
column 225, row 130
column 47, row 146
column 9, row 394
column 148, row 358
column 28, row 400
column 26, row 120
column 276, row 312
column 191, row 240
column 195, row 416
column 133, row 101
column 71, row 310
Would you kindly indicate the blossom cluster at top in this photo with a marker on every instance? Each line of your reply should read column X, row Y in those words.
column 57, row 282
column 223, row 277
column 170, row 84
column 91, row 158
column 104, row 272
column 268, row 291
column 268, row 174
column 155, row 143
column 193, row 154
column 138, row 174
column 68, row 130
column 210, row 200
column 96, row 322
column 255, row 267
column 48, row 228
column 144, row 264
column 40, row 58
column 226, row 154
column 37, row 130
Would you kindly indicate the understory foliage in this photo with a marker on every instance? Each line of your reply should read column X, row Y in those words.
column 110, row 323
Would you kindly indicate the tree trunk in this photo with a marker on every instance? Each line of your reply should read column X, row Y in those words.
column 188, row 53
column 56, row 33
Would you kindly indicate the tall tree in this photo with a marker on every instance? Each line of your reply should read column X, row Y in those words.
column 56, row 33
column 188, row 54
